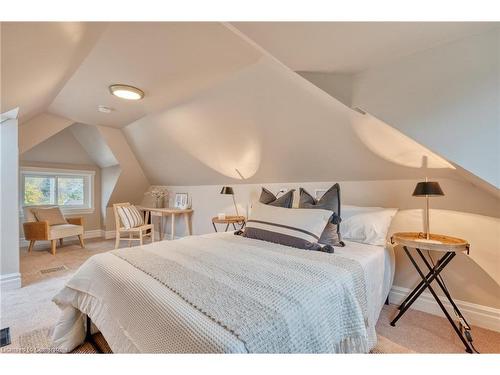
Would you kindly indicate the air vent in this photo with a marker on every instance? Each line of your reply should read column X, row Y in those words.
column 54, row 269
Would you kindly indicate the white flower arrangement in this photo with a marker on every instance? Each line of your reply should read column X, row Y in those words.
column 159, row 194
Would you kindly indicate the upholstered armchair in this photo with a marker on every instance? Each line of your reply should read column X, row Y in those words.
column 47, row 223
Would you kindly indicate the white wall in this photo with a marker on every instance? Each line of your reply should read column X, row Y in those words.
column 447, row 98
column 9, row 224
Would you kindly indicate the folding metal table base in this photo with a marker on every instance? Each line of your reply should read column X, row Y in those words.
column 426, row 284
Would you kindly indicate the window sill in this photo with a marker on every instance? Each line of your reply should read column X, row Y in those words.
column 77, row 211
column 68, row 212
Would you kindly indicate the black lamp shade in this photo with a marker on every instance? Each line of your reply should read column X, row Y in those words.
column 227, row 190
column 427, row 188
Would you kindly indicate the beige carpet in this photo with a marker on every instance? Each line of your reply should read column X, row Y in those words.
column 29, row 312
column 426, row 333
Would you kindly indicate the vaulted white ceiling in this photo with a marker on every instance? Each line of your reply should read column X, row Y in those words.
column 66, row 68
column 270, row 126
column 350, row 47
column 215, row 101
column 37, row 60
column 169, row 61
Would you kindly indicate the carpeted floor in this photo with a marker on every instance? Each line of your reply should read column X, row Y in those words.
column 30, row 314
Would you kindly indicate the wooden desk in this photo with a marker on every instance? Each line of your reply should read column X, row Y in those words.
column 172, row 212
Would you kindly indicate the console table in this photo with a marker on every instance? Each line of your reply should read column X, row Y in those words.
column 172, row 212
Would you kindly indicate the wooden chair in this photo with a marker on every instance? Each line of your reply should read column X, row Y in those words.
column 141, row 230
column 35, row 230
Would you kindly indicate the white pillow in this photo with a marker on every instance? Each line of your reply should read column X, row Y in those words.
column 366, row 224
column 130, row 217
column 297, row 227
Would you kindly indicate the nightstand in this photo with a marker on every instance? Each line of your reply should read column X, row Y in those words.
column 448, row 247
column 228, row 220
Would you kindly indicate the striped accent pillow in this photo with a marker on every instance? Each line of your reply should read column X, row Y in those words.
column 299, row 228
column 130, row 217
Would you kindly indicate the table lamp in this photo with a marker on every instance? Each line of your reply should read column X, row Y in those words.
column 427, row 189
column 229, row 190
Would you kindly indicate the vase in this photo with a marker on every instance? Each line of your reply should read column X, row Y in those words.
column 158, row 202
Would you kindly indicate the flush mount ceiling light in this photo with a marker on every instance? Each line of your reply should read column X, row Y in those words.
column 126, row 92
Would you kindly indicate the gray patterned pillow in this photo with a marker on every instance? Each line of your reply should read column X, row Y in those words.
column 329, row 201
column 286, row 200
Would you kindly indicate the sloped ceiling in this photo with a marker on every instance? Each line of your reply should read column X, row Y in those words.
column 38, row 58
column 268, row 124
column 169, row 61
column 61, row 148
column 351, row 47
column 91, row 140
column 215, row 102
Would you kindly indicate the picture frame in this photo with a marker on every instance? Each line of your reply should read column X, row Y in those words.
column 181, row 201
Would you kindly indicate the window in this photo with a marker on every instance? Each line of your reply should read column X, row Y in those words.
column 72, row 190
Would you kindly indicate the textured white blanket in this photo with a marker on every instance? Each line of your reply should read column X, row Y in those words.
column 279, row 300
column 227, row 294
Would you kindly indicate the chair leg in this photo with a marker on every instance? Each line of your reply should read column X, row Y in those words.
column 30, row 247
column 140, row 237
column 129, row 241
column 152, row 233
column 60, row 241
column 53, row 246
column 117, row 240
column 80, row 237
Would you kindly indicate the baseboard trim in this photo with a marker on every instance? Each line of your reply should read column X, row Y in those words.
column 10, row 281
column 96, row 233
column 478, row 315
column 166, row 236
column 108, row 234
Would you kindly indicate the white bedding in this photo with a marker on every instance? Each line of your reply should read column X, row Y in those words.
column 379, row 265
column 142, row 304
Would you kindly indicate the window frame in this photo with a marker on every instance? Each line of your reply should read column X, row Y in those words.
column 88, row 206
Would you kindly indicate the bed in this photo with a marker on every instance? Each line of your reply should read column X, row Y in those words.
column 141, row 306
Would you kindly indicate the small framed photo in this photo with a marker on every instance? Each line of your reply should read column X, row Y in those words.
column 181, row 201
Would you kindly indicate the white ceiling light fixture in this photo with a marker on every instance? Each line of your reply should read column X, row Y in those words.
column 126, row 92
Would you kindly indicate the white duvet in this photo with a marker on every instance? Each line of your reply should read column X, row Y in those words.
column 133, row 310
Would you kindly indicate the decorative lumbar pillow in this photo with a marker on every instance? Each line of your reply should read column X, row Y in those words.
column 368, row 225
column 329, row 201
column 130, row 216
column 286, row 200
column 52, row 215
column 296, row 228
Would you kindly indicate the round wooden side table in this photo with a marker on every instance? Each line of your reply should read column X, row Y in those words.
column 449, row 247
column 228, row 220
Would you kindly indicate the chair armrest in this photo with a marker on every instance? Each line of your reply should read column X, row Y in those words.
column 75, row 220
column 36, row 230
